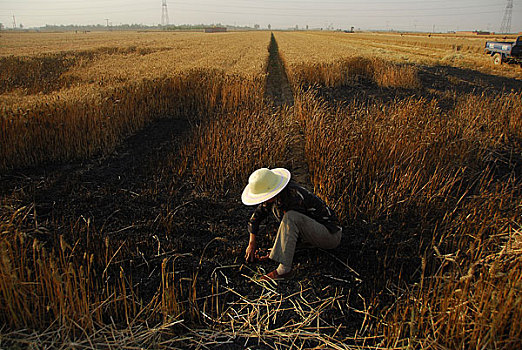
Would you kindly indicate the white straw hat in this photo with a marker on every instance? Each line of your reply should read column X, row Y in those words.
column 264, row 184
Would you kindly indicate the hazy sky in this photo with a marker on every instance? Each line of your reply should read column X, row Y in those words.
column 422, row 15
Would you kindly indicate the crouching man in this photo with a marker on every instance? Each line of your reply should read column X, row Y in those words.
column 302, row 216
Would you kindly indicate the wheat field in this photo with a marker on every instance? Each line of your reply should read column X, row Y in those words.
column 123, row 156
column 98, row 94
column 426, row 49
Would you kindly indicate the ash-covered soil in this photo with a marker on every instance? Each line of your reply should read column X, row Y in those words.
column 133, row 199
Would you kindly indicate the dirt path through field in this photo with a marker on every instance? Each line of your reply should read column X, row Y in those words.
column 278, row 88
column 279, row 92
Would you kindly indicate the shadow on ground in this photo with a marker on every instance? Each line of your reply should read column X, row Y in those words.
column 438, row 82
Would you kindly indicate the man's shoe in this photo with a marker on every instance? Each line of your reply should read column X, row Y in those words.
column 274, row 276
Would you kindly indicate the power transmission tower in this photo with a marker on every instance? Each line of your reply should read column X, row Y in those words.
column 14, row 22
column 505, row 27
column 164, row 14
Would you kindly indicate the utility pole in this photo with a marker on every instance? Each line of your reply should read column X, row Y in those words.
column 164, row 14
column 505, row 27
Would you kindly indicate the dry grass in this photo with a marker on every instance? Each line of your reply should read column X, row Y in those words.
column 116, row 58
column 477, row 303
column 72, row 288
column 327, row 65
column 446, row 181
column 30, row 44
column 285, row 321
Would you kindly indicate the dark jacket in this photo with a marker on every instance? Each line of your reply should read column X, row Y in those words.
column 298, row 198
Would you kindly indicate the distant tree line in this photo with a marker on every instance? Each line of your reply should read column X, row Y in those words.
column 103, row 27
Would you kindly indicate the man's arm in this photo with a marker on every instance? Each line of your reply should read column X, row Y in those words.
column 259, row 215
column 251, row 249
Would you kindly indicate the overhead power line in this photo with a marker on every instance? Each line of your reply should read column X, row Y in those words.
column 164, row 14
column 505, row 27
column 315, row 15
column 243, row 7
column 255, row 8
column 319, row 16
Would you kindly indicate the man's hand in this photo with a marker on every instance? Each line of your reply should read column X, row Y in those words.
column 262, row 255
